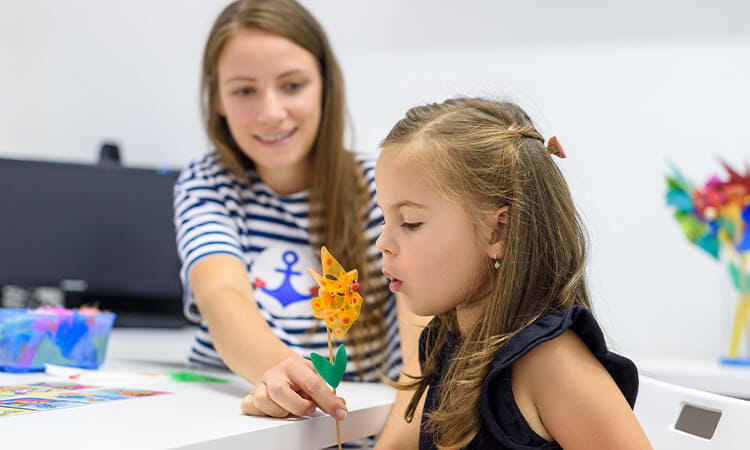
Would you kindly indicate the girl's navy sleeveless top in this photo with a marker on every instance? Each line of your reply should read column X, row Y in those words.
column 503, row 425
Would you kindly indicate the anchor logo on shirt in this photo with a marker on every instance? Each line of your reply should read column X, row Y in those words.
column 285, row 293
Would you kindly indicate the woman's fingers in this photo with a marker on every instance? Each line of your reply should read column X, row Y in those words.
column 258, row 403
column 314, row 387
column 292, row 387
column 281, row 392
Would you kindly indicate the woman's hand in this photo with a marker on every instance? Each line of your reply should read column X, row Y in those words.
column 247, row 345
column 292, row 388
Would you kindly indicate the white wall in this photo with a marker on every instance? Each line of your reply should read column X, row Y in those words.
column 627, row 87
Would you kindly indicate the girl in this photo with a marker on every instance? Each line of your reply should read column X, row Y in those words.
column 251, row 216
column 481, row 232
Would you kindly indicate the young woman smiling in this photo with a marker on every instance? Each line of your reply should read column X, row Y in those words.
column 252, row 215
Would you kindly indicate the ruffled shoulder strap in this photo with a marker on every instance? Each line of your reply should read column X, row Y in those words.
column 496, row 400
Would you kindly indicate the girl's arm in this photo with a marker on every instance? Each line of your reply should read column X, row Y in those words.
column 397, row 433
column 281, row 379
column 565, row 394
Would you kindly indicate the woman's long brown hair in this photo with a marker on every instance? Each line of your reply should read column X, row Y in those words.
column 484, row 155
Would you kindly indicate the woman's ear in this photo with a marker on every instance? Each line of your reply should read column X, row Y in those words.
column 219, row 107
column 498, row 221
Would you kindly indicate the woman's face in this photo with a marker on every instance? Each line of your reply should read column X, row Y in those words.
column 270, row 92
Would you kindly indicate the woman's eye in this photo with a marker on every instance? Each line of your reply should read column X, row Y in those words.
column 243, row 92
column 411, row 226
column 292, row 87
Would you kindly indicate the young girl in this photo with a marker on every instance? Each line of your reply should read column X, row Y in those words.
column 481, row 232
column 251, row 215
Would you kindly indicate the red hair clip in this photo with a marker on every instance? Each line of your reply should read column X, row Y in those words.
column 554, row 147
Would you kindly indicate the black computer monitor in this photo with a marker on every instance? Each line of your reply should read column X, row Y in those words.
column 103, row 234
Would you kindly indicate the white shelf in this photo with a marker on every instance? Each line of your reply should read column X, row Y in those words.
column 698, row 373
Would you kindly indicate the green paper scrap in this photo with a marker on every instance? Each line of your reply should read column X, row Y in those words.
column 185, row 376
column 332, row 373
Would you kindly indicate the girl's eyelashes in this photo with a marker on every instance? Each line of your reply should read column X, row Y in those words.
column 411, row 226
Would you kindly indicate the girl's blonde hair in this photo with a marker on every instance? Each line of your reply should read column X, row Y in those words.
column 484, row 155
column 338, row 194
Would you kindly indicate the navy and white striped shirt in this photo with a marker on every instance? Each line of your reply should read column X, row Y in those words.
column 218, row 213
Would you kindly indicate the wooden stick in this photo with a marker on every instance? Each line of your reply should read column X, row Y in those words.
column 741, row 312
column 330, row 358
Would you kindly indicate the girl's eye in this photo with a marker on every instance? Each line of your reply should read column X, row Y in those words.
column 411, row 226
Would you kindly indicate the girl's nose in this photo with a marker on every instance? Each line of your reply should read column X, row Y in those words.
column 382, row 244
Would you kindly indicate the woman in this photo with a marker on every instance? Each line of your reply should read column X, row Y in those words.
column 251, row 216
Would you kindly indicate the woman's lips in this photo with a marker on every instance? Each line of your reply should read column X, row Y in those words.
column 275, row 140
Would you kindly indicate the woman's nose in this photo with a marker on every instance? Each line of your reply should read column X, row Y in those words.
column 272, row 109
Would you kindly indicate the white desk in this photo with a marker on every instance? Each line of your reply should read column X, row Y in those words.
column 698, row 373
column 194, row 416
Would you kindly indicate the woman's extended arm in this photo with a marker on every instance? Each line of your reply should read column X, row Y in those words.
column 283, row 382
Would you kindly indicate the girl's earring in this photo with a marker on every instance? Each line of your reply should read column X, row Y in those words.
column 497, row 264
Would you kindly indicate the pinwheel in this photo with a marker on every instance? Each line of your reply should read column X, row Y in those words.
column 338, row 303
column 716, row 218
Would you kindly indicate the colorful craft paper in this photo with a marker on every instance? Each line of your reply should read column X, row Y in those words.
column 12, row 411
column 45, row 396
column 37, row 403
column 90, row 396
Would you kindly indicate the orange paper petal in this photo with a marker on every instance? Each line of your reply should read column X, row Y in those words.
column 338, row 301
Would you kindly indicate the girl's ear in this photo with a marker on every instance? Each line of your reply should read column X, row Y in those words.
column 498, row 221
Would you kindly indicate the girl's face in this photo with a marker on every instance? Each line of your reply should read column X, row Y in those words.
column 270, row 92
column 431, row 252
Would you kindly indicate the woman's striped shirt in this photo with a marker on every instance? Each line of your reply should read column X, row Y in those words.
column 218, row 213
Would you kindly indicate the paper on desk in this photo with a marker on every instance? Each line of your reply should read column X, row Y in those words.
column 101, row 376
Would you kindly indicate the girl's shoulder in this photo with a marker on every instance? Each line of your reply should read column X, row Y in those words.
column 562, row 358
column 541, row 338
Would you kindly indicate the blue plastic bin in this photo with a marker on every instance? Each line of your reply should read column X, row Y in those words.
column 29, row 340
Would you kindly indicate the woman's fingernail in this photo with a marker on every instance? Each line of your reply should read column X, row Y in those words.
column 310, row 411
column 341, row 414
